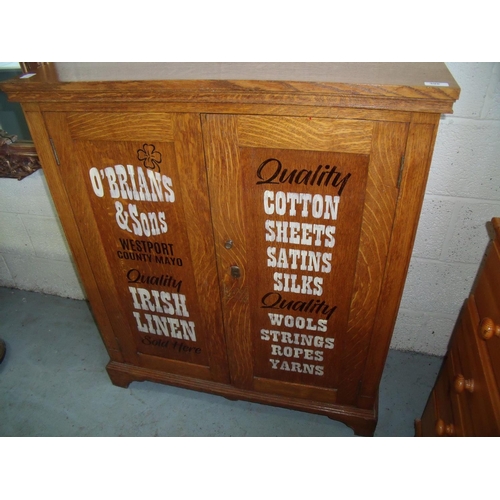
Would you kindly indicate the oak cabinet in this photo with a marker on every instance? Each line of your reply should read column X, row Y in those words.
column 242, row 229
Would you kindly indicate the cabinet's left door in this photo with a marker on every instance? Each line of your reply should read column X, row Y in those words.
column 136, row 183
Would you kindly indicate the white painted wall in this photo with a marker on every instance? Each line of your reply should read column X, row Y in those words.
column 34, row 254
column 463, row 193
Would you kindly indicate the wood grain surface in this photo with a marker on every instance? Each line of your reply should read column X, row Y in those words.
column 244, row 229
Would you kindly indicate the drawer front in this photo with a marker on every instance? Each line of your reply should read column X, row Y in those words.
column 459, row 387
column 446, row 423
column 482, row 401
column 486, row 289
column 427, row 425
column 487, row 297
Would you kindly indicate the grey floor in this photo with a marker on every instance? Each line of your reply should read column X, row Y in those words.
column 53, row 383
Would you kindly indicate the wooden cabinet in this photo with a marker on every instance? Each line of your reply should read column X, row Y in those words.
column 465, row 400
column 242, row 229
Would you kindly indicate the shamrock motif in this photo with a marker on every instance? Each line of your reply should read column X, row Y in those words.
column 150, row 158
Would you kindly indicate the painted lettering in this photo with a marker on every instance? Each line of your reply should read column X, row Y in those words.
column 132, row 183
column 298, row 322
column 299, row 339
column 164, row 280
column 271, row 171
column 273, row 300
column 317, row 205
column 159, row 301
column 293, row 366
column 305, row 260
column 300, row 233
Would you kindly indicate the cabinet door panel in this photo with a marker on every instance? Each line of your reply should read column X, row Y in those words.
column 138, row 189
column 307, row 205
column 290, row 132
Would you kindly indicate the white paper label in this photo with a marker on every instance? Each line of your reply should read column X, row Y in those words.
column 437, row 84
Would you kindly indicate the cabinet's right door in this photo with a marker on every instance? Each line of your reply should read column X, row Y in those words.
column 303, row 210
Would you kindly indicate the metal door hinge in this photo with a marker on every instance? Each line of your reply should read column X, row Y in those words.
column 401, row 168
column 54, row 151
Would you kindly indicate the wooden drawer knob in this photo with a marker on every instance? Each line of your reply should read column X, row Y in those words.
column 462, row 384
column 488, row 328
column 443, row 429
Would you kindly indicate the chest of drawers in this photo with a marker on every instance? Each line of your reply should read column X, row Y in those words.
column 466, row 400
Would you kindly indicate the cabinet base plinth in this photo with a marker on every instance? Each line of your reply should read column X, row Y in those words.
column 361, row 421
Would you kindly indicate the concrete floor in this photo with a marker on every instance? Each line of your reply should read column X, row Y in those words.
column 53, row 383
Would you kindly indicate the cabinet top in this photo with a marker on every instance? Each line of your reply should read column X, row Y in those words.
column 427, row 87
